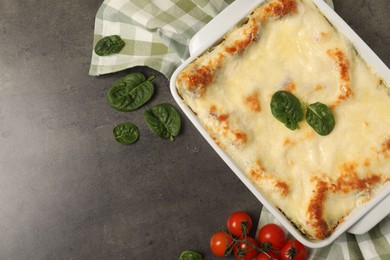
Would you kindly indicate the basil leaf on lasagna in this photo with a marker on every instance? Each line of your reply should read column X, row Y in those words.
column 287, row 109
column 320, row 118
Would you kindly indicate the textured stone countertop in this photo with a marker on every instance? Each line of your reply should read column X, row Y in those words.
column 68, row 190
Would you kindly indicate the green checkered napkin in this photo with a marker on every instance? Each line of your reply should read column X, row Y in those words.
column 157, row 34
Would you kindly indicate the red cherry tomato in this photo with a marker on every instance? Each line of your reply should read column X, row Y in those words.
column 293, row 249
column 272, row 236
column 234, row 223
column 220, row 242
column 247, row 249
column 268, row 256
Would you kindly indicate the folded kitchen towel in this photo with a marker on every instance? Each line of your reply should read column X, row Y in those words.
column 157, row 34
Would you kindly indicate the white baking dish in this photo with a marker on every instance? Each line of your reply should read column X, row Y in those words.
column 362, row 218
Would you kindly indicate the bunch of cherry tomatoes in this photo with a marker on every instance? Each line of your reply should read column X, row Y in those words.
column 271, row 241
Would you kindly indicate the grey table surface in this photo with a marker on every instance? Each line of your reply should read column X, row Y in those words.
column 68, row 190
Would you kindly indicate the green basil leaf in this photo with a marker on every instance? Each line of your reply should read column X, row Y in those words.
column 287, row 109
column 109, row 45
column 320, row 118
column 163, row 120
column 130, row 92
column 126, row 133
column 190, row 255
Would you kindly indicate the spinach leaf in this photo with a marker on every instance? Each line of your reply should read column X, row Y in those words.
column 287, row 109
column 109, row 45
column 130, row 92
column 320, row 118
column 163, row 120
column 126, row 133
column 190, row 255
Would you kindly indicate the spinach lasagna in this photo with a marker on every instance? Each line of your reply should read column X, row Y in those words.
column 289, row 45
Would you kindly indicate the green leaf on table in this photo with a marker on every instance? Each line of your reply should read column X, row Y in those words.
column 130, row 92
column 190, row 255
column 163, row 120
column 126, row 133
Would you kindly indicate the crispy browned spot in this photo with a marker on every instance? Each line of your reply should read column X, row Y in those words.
column 288, row 142
column 318, row 87
column 386, row 148
column 198, row 78
column 223, row 118
column 367, row 162
column 213, row 109
column 349, row 179
column 279, row 8
column 343, row 64
column 309, row 135
column 240, row 45
column 254, row 175
column 252, row 102
column 316, row 211
column 283, row 187
column 324, row 34
column 220, row 117
column 256, row 172
column 240, row 136
column 290, row 87
column 236, row 136
column 217, row 141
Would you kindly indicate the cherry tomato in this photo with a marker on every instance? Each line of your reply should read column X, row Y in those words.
column 234, row 223
column 268, row 256
column 246, row 250
column 272, row 236
column 293, row 249
column 220, row 242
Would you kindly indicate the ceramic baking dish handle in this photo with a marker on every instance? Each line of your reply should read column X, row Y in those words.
column 231, row 16
column 372, row 218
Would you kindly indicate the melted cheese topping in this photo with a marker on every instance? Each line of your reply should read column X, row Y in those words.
column 288, row 45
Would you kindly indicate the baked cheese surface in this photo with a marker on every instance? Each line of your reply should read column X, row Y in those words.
column 289, row 45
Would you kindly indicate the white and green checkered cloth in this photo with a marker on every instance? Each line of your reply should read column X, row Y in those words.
column 157, row 34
